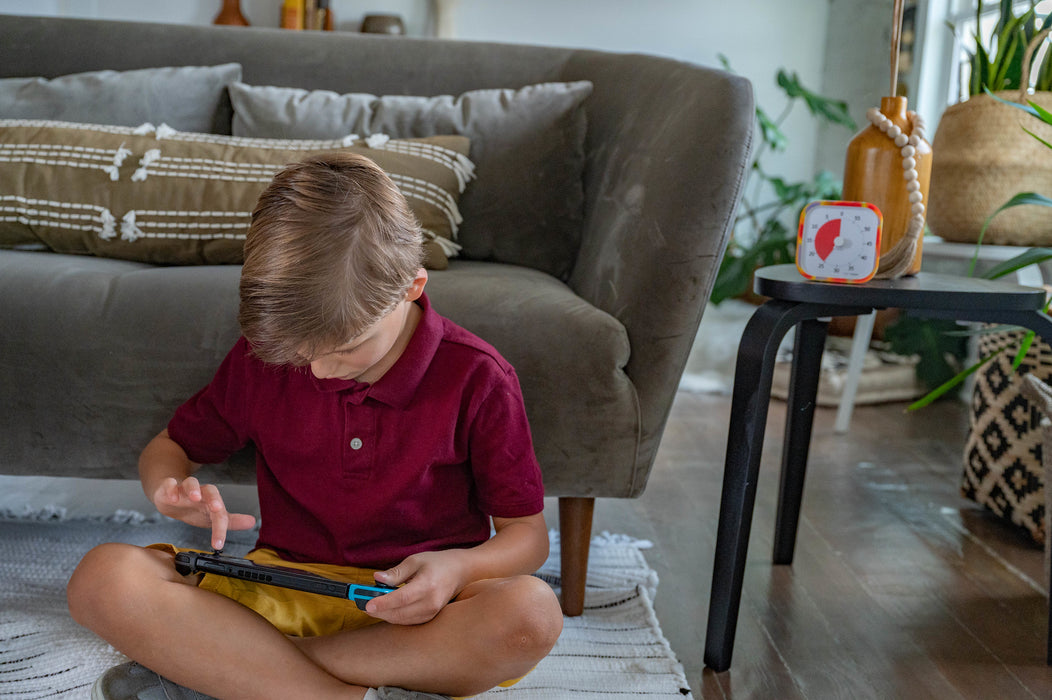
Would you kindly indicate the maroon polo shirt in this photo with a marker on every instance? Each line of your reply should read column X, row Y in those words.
column 367, row 474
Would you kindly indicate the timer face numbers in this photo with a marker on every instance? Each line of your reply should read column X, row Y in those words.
column 839, row 241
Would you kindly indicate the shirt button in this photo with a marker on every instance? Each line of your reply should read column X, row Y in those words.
column 356, row 444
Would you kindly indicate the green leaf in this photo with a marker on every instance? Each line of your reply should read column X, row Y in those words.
column 773, row 247
column 1043, row 78
column 1028, row 109
column 1043, row 142
column 774, row 237
column 1021, row 199
column 790, row 84
column 770, row 132
column 732, row 280
column 1024, row 347
column 973, row 331
column 825, row 185
column 831, row 110
column 980, row 64
column 1031, row 256
column 1007, row 48
column 1006, row 15
column 1028, row 198
column 788, row 193
column 938, row 351
column 950, row 383
column 1039, row 111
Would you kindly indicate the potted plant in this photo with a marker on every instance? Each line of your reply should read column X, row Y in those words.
column 761, row 236
column 981, row 156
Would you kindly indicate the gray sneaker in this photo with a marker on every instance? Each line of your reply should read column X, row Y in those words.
column 132, row 681
column 387, row 693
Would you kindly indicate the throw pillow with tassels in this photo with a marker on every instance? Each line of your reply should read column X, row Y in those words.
column 157, row 195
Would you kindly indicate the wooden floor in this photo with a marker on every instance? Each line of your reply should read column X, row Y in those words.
column 900, row 588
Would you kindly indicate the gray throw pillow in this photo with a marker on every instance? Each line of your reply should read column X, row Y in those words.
column 525, row 206
column 188, row 98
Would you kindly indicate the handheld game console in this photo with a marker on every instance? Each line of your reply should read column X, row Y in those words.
column 195, row 562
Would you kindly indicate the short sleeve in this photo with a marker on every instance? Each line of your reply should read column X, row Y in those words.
column 503, row 463
column 213, row 424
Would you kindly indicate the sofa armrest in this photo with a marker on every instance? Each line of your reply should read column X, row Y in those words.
column 668, row 148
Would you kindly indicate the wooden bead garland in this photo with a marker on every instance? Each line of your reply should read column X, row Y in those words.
column 897, row 261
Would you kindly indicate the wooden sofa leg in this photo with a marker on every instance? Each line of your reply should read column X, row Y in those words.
column 575, row 535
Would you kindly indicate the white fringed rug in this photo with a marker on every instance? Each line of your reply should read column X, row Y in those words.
column 614, row 650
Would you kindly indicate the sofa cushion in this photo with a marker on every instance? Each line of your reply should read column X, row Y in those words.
column 528, row 145
column 165, row 196
column 125, row 343
column 116, row 347
column 189, row 98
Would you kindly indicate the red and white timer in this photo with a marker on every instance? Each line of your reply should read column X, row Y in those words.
column 839, row 241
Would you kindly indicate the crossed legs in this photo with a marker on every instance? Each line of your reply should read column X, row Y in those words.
column 133, row 598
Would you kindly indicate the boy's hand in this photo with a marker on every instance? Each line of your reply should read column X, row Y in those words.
column 201, row 506
column 432, row 580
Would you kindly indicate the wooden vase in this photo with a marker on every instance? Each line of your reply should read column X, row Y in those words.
column 873, row 173
column 230, row 13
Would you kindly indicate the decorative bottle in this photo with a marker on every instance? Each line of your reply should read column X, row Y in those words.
column 889, row 164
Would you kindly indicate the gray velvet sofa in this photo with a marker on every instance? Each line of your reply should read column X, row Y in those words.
column 96, row 352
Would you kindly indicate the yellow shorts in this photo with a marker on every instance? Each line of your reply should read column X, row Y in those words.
column 295, row 613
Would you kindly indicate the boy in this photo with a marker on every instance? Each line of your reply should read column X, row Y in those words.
column 387, row 438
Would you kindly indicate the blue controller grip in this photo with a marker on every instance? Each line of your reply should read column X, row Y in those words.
column 363, row 594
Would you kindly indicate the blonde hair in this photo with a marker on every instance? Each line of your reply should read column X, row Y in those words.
column 332, row 248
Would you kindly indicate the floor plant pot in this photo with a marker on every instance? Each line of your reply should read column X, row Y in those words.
column 983, row 158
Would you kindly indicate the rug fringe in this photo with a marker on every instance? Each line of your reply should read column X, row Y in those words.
column 606, row 538
column 54, row 513
column 133, row 517
column 44, row 513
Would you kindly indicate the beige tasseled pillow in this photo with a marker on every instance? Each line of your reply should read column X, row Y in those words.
column 163, row 196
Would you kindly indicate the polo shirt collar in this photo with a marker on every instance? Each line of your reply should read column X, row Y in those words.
column 398, row 385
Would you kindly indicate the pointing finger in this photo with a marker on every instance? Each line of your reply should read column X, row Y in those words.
column 217, row 513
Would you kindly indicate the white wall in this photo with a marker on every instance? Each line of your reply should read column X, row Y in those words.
column 758, row 36
column 264, row 13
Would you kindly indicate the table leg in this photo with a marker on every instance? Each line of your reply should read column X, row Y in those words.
column 751, row 394
column 800, row 413
column 859, row 345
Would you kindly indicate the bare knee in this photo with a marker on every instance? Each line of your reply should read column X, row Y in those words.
column 529, row 623
column 111, row 578
column 518, row 621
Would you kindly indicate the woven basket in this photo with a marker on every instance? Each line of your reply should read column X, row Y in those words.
column 982, row 159
column 1003, row 468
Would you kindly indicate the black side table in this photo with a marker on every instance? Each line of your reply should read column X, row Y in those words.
column 795, row 301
